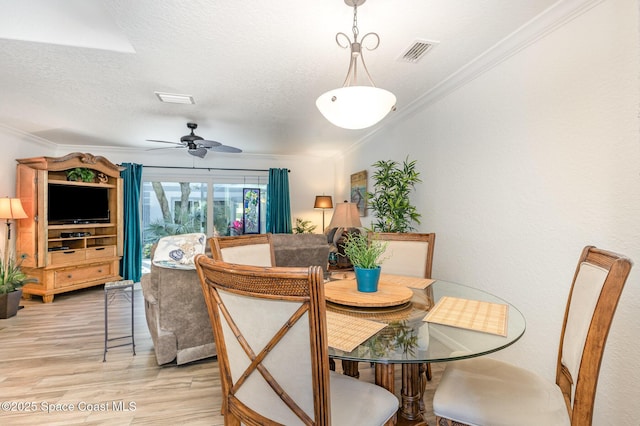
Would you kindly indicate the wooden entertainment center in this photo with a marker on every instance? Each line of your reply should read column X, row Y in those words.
column 68, row 255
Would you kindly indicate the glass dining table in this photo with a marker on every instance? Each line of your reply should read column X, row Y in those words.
column 412, row 342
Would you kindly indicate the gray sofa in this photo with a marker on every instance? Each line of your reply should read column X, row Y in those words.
column 175, row 309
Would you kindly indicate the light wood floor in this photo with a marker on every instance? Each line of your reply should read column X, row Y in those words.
column 52, row 354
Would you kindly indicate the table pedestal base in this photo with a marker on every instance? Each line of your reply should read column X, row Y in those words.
column 411, row 394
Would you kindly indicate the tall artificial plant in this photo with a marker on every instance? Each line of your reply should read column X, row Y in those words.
column 392, row 184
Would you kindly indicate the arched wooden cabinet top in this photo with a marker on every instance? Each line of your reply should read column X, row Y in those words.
column 73, row 160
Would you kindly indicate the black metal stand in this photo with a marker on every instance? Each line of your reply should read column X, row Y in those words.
column 111, row 291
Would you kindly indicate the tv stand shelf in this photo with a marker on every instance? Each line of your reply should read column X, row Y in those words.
column 87, row 184
column 68, row 256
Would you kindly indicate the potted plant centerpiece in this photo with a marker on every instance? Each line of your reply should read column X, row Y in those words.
column 364, row 254
column 12, row 278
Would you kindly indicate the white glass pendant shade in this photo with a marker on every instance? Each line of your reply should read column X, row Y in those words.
column 356, row 107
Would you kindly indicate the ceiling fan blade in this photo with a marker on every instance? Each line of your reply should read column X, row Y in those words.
column 226, row 148
column 207, row 144
column 164, row 147
column 198, row 152
column 173, row 143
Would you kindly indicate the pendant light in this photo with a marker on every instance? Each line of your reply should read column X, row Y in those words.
column 354, row 106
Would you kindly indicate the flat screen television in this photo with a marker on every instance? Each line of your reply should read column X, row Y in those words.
column 78, row 204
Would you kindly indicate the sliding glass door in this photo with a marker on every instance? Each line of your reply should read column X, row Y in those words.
column 213, row 205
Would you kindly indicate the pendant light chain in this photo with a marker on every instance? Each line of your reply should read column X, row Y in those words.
column 355, row 29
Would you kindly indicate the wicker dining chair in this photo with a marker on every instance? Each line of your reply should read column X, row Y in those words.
column 484, row 391
column 250, row 249
column 270, row 328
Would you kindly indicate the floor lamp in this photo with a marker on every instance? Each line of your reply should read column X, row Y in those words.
column 10, row 208
column 323, row 202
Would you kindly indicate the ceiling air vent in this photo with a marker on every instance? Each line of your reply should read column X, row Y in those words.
column 416, row 51
column 174, row 98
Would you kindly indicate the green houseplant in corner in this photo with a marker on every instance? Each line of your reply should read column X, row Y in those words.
column 12, row 278
column 364, row 253
column 392, row 185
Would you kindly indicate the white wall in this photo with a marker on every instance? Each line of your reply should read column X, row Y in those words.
column 15, row 145
column 524, row 166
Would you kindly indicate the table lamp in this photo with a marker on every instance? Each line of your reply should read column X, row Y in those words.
column 323, row 202
column 346, row 215
column 10, row 208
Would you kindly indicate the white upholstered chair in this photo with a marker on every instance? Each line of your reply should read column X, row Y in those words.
column 408, row 254
column 251, row 249
column 271, row 333
column 484, row 391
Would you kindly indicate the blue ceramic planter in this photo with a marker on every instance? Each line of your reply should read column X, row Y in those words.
column 367, row 279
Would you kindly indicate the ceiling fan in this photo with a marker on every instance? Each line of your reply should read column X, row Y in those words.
column 197, row 145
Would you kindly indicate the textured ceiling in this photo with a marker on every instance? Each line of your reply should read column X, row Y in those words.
column 85, row 72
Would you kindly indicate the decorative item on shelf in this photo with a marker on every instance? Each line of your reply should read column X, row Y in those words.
column 303, row 227
column 81, row 174
column 345, row 220
column 323, row 202
column 12, row 278
column 389, row 201
column 102, row 178
column 354, row 106
column 365, row 255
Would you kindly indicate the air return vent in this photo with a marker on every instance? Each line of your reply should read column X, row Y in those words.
column 417, row 50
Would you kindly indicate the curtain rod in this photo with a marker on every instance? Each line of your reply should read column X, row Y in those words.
column 207, row 168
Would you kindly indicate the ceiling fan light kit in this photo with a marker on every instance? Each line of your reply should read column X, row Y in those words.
column 354, row 106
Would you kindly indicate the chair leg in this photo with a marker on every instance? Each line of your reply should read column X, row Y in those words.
column 350, row 368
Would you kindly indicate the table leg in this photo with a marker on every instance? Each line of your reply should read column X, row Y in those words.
column 385, row 377
column 411, row 393
column 409, row 412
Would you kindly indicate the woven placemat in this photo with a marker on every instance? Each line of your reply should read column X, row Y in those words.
column 475, row 315
column 405, row 281
column 345, row 333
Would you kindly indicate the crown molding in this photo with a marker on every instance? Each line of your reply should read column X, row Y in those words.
column 27, row 136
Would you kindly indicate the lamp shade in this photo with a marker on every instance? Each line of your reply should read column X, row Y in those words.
column 345, row 216
column 356, row 107
column 323, row 202
column 11, row 208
